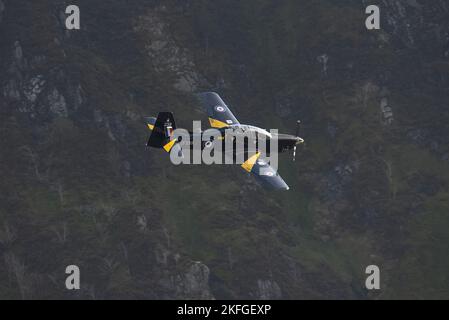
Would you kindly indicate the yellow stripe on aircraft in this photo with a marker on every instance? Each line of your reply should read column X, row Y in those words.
column 214, row 123
column 249, row 164
column 170, row 145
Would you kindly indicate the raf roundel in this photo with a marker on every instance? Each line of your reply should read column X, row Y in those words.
column 208, row 144
column 220, row 109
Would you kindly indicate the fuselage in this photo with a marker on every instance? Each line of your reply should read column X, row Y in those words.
column 251, row 138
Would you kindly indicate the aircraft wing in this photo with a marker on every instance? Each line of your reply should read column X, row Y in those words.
column 266, row 175
column 219, row 114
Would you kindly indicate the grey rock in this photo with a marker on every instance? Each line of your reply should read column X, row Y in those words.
column 194, row 283
column 187, row 82
column 162, row 255
column 34, row 87
column 408, row 20
column 387, row 112
column 57, row 104
column 323, row 60
column 268, row 290
column 368, row 91
column 418, row 136
column 109, row 130
column 77, row 94
column 18, row 52
column 164, row 52
column 142, row 223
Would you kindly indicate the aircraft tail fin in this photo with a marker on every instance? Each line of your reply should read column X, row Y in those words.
column 162, row 131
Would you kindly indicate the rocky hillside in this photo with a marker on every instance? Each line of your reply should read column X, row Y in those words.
column 78, row 186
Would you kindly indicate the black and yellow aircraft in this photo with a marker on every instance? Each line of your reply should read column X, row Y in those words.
column 222, row 119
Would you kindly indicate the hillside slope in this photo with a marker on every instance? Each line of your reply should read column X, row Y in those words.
column 79, row 187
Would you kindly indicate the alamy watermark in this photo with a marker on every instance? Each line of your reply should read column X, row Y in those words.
column 231, row 145
column 72, row 282
column 373, row 280
column 72, row 22
column 372, row 22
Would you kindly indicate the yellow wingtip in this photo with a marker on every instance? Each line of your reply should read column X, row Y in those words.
column 249, row 164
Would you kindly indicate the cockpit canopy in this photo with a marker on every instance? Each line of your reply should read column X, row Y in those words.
column 247, row 129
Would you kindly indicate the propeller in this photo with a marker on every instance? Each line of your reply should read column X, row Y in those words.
column 298, row 124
